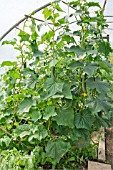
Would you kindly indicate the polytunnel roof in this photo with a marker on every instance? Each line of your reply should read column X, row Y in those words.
column 12, row 11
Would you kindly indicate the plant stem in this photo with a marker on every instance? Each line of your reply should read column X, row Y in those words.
column 23, row 19
column 29, row 16
column 53, row 49
column 5, row 131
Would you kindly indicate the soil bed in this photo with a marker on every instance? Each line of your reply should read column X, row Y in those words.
column 109, row 145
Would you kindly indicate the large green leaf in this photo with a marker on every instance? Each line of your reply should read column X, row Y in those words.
column 101, row 121
column 100, row 86
column 47, row 12
column 99, row 104
column 89, row 19
column 47, row 36
column 106, row 66
column 5, row 140
column 38, row 133
column 65, row 117
column 22, row 130
column 25, row 105
column 34, row 47
column 80, row 137
column 90, row 68
column 76, row 134
column 24, row 36
column 104, row 47
column 56, row 149
column 68, row 39
column 84, row 120
column 53, row 63
column 77, row 50
column 49, row 112
column 66, row 91
column 36, row 115
column 52, row 86
column 32, row 80
column 76, row 64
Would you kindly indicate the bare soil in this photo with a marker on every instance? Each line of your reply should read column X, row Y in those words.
column 109, row 145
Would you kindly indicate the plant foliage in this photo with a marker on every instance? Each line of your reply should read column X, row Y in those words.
column 57, row 92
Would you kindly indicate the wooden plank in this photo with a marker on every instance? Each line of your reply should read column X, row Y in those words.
column 109, row 144
column 98, row 166
column 101, row 148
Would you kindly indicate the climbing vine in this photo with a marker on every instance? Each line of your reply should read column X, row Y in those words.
column 57, row 92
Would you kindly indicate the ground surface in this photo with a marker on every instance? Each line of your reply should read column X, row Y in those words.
column 109, row 145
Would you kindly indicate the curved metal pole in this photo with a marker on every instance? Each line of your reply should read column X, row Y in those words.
column 104, row 5
column 35, row 11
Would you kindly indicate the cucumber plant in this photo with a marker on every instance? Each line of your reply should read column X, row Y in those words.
column 57, row 91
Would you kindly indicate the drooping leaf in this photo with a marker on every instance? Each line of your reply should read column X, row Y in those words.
column 66, row 91
column 59, row 8
column 104, row 48
column 89, row 48
column 100, row 86
column 39, row 133
column 8, row 63
column 65, row 117
column 76, row 134
column 90, row 68
column 36, row 52
column 31, row 82
column 84, row 120
column 99, row 104
column 32, row 79
column 77, row 50
column 103, row 104
column 101, row 121
column 76, row 64
column 47, row 12
column 106, row 66
column 62, row 21
column 36, row 115
column 49, row 112
column 24, row 36
column 47, row 36
column 56, row 149
column 25, row 105
column 52, row 86
column 22, row 130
